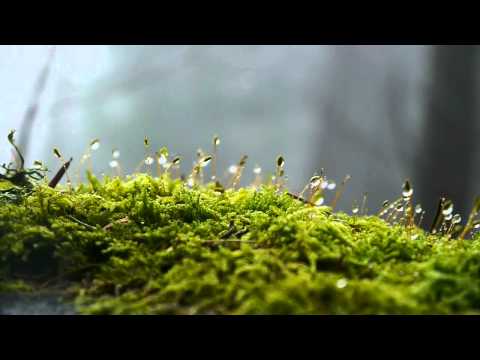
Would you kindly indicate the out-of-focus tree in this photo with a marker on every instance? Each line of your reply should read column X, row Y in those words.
column 445, row 165
column 355, row 109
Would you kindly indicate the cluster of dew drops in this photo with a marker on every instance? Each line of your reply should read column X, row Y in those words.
column 398, row 212
column 161, row 158
column 402, row 212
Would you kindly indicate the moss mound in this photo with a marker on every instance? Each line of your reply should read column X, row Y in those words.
column 148, row 245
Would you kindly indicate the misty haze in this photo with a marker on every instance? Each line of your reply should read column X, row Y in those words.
column 357, row 110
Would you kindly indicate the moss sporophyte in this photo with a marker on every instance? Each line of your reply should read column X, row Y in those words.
column 197, row 244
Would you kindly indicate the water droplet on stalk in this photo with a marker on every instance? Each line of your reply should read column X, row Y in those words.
column 113, row 164
column 315, row 181
column 331, row 185
column 280, row 162
column 95, row 144
column 116, row 154
column 407, row 190
column 149, row 160
column 257, row 170
column 162, row 160
column 205, row 161
column 457, row 219
column 447, row 208
column 418, row 209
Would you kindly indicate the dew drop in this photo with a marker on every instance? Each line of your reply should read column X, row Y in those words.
column 447, row 208
column 216, row 141
column 232, row 169
column 342, row 283
column 162, row 160
column 205, row 161
column 280, row 162
column 176, row 161
column 190, row 182
column 38, row 164
column 116, row 154
column 448, row 217
column 385, row 203
column 418, row 209
column 414, row 237
column 315, row 181
column 149, row 160
column 457, row 219
column 113, row 164
column 95, row 144
column 355, row 210
column 324, row 184
column 257, row 170
column 407, row 189
column 146, row 142
column 320, row 201
column 331, row 185
column 399, row 208
column 477, row 225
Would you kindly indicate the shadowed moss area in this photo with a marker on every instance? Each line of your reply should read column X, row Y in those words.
column 147, row 245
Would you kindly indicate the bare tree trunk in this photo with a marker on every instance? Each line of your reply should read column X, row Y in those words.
column 445, row 159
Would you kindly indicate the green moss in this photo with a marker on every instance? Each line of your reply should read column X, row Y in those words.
column 18, row 286
column 149, row 245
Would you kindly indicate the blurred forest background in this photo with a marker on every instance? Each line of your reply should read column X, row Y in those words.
column 379, row 113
